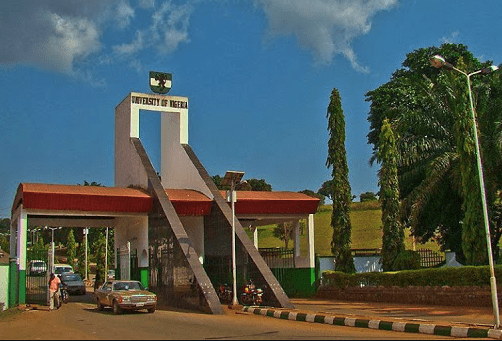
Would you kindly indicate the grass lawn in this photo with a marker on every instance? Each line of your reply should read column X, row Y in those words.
column 366, row 232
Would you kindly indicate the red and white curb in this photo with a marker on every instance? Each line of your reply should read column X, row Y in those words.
column 406, row 327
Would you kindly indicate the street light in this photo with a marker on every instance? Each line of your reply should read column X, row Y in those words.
column 438, row 62
column 231, row 179
column 52, row 245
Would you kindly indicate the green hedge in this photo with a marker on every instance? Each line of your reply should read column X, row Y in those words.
column 447, row 276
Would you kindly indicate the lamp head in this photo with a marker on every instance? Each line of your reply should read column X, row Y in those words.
column 489, row 69
column 437, row 61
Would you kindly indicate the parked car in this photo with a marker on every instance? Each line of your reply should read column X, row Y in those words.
column 60, row 269
column 37, row 268
column 125, row 295
column 74, row 283
column 111, row 274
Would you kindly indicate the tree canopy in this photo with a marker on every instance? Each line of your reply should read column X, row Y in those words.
column 429, row 112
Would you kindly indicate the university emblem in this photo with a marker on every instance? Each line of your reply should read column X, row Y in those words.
column 160, row 82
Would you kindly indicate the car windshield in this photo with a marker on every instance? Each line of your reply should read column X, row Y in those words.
column 124, row 286
column 72, row 278
column 38, row 264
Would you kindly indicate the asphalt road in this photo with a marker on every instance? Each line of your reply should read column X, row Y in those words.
column 79, row 319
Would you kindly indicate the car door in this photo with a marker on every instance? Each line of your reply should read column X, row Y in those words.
column 104, row 292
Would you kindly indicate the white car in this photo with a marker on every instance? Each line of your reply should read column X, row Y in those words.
column 60, row 269
column 37, row 267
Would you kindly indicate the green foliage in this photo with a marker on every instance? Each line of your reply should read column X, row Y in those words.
column 429, row 109
column 259, row 185
column 393, row 233
column 4, row 225
column 445, row 276
column 407, row 260
column 285, row 231
column 100, row 250
column 311, row 193
column 245, row 185
column 326, row 189
column 40, row 246
column 340, row 187
column 4, row 244
column 71, row 248
column 367, row 196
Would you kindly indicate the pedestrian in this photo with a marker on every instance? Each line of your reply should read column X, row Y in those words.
column 54, row 283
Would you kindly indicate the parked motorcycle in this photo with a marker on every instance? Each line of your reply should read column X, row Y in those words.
column 251, row 295
column 225, row 293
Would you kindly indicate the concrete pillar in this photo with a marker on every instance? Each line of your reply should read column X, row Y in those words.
column 310, row 239
column 22, row 232
column 296, row 234
column 255, row 237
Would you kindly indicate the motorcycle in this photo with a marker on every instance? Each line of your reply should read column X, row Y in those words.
column 251, row 295
column 224, row 293
column 63, row 291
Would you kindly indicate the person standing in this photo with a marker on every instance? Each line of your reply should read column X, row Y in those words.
column 54, row 283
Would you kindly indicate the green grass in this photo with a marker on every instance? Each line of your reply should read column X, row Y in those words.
column 366, row 231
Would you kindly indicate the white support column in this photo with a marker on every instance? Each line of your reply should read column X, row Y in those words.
column 311, row 246
column 296, row 233
column 22, row 231
column 255, row 237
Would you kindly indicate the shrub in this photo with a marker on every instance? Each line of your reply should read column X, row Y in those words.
column 462, row 276
column 407, row 260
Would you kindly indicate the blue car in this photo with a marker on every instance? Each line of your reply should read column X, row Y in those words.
column 74, row 283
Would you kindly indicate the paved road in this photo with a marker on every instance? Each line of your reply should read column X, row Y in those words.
column 79, row 319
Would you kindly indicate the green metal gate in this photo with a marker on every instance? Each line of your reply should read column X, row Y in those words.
column 278, row 260
column 37, row 276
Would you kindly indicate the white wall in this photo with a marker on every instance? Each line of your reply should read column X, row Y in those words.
column 134, row 230
column 4, row 284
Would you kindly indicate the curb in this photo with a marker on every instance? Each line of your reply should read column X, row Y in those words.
column 407, row 327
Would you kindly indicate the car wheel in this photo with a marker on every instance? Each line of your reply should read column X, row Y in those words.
column 151, row 310
column 116, row 309
column 100, row 306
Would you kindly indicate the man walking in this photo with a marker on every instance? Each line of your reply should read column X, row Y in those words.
column 54, row 282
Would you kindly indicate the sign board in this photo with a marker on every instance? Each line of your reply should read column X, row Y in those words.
column 160, row 82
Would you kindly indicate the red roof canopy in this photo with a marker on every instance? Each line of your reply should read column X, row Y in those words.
column 132, row 200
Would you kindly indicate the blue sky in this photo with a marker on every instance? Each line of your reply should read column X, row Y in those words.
column 258, row 75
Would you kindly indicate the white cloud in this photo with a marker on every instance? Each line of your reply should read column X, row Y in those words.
column 124, row 14
column 55, row 34
column 327, row 27
column 146, row 3
column 48, row 33
column 453, row 38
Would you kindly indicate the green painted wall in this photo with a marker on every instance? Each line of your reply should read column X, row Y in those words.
column 144, row 276
column 296, row 282
column 22, row 287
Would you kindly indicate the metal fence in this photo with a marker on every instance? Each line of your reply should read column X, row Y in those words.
column 429, row 258
column 278, row 257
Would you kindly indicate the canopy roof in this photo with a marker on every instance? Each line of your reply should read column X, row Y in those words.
column 187, row 202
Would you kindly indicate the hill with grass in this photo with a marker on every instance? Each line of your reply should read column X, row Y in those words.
column 366, row 231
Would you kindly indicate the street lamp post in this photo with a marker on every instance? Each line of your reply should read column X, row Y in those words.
column 52, row 245
column 231, row 179
column 438, row 62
